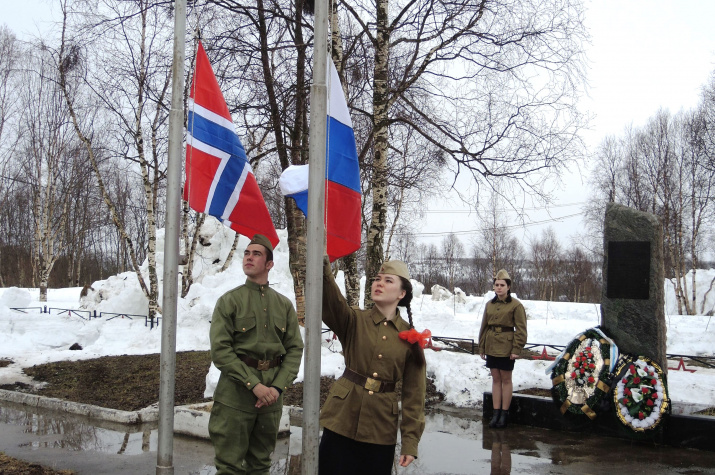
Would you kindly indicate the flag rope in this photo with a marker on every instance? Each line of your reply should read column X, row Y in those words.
column 327, row 129
column 192, row 105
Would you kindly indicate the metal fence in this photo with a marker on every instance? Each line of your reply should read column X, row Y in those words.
column 462, row 345
column 90, row 314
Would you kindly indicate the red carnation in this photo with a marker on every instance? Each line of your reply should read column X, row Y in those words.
column 625, row 401
column 592, row 366
column 653, row 382
column 573, row 375
column 632, row 369
column 582, row 370
column 581, row 354
column 576, row 364
column 654, row 395
column 636, row 380
column 590, row 355
column 627, row 391
column 641, row 416
column 645, row 390
column 591, row 379
column 649, row 402
column 625, row 381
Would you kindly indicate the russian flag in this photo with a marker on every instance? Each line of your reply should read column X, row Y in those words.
column 219, row 179
column 342, row 184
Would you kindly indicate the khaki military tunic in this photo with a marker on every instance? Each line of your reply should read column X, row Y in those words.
column 493, row 340
column 256, row 321
column 372, row 348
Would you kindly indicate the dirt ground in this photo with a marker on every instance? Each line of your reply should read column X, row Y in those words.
column 131, row 383
column 9, row 465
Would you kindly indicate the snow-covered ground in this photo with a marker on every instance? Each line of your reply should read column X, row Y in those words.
column 33, row 338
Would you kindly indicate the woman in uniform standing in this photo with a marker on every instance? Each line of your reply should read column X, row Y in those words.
column 501, row 339
column 360, row 416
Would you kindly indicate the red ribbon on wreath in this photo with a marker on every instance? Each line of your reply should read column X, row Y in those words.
column 424, row 339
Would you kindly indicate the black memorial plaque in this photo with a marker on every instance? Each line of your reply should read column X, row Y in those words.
column 628, row 270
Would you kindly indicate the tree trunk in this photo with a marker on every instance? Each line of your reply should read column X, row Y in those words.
column 297, row 254
column 229, row 258
column 378, row 219
column 187, row 277
column 43, row 287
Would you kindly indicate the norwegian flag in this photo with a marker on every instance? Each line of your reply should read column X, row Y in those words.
column 219, row 179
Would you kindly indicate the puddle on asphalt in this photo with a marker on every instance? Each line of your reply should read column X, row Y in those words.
column 454, row 442
column 71, row 432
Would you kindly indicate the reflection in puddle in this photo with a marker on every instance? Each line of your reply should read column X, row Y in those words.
column 454, row 442
column 457, row 445
column 501, row 456
column 79, row 433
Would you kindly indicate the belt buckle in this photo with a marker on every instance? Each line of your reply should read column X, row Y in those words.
column 263, row 365
column 372, row 384
column 497, row 329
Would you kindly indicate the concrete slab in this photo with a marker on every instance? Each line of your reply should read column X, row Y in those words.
column 193, row 420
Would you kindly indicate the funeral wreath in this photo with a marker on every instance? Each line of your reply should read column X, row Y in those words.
column 580, row 377
column 640, row 395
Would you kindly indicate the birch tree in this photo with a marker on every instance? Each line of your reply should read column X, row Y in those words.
column 126, row 64
column 48, row 149
column 452, row 253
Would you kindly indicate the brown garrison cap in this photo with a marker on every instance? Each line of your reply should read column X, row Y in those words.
column 502, row 275
column 395, row 268
column 262, row 240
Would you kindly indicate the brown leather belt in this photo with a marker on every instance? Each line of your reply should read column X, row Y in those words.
column 499, row 328
column 261, row 365
column 370, row 384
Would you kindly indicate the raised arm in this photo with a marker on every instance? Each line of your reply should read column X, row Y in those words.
column 337, row 314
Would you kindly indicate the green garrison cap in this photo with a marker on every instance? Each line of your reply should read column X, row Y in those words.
column 262, row 240
column 502, row 275
column 395, row 268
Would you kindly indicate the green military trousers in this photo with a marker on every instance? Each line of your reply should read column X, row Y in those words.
column 243, row 441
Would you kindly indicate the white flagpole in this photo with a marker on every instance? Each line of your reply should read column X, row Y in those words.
column 165, row 450
column 315, row 244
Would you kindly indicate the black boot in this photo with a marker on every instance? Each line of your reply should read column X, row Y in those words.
column 503, row 416
column 495, row 418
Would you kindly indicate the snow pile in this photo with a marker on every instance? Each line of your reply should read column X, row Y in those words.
column 15, row 298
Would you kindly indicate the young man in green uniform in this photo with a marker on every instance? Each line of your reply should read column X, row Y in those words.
column 256, row 344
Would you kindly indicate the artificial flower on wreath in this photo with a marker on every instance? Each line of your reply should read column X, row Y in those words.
column 580, row 375
column 640, row 395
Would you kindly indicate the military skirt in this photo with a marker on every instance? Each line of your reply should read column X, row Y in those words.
column 345, row 456
column 503, row 363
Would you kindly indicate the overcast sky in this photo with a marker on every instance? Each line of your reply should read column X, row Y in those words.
column 644, row 55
